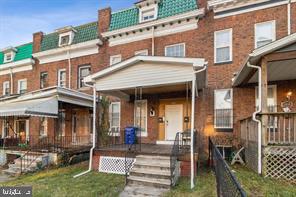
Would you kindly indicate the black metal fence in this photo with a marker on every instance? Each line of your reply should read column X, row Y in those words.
column 227, row 184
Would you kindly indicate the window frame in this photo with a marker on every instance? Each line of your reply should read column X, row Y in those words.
column 43, row 120
column 138, row 53
column 110, row 118
column 173, row 45
column 143, row 133
column 19, row 86
column 11, row 55
column 273, row 23
column 4, row 88
column 81, row 85
column 216, row 47
column 153, row 7
column 115, row 56
column 41, row 73
column 59, row 77
column 231, row 120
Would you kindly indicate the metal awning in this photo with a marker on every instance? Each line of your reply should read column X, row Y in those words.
column 44, row 107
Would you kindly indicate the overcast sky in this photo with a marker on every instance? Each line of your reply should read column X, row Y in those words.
column 19, row 19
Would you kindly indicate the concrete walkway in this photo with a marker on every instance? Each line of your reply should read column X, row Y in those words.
column 141, row 191
column 4, row 177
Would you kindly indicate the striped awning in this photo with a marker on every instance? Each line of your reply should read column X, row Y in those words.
column 44, row 107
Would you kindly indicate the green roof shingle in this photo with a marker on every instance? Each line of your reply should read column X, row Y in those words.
column 84, row 33
column 166, row 8
column 23, row 52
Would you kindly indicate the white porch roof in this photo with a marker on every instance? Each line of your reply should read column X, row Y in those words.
column 148, row 71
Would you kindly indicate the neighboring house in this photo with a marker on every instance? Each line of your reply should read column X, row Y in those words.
column 170, row 67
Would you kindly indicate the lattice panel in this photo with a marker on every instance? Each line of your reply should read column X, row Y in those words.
column 280, row 163
column 115, row 165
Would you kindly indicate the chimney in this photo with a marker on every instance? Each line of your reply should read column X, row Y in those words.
column 37, row 39
column 104, row 19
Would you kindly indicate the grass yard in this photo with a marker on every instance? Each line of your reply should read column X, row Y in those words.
column 60, row 183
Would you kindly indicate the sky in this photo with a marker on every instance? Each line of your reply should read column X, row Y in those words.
column 19, row 19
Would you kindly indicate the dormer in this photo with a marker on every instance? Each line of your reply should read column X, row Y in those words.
column 148, row 10
column 66, row 35
column 9, row 54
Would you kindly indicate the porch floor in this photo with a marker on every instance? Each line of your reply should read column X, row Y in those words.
column 154, row 149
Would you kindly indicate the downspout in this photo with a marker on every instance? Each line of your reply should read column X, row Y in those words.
column 70, row 69
column 255, row 114
column 289, row 16
column 192, row 125
column 11, row 81
column 94, row 132
column 152, row 50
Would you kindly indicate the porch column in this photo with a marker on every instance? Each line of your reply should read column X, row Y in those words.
column 264, row 96
column 192, row 130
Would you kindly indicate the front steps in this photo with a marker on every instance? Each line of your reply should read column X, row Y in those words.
column 30, row 164
column 150, row 170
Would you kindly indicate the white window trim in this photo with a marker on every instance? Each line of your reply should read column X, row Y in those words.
column 274, row 87
column 71, row 36
column 183, row 43
column 19, row 85
column 141, row 51
column 59, row 76
column 230, row 47
column 79, row 72
column 12, row 56
column 143, row 9
column 143, row 134
column 4, row 83
column 231, row 91
column 115, row 103
column 115, row 56
column 273, row 31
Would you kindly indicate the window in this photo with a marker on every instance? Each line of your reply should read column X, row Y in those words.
column 141, row 116
column 6, row 88
column 148, row 13
column 264, row 33
column 22, row 86
column 62, row 122
column 5, row 128
column 271, row 98
column 115, row 117
column 84, row 71
column 142, row 52
column 223, row 46
column 223, row 109
column 8, row 57
column 115, row 59
column 43, row 80
column 43, row 126
column 177, row 50
column 64, row 40
column 62, row 78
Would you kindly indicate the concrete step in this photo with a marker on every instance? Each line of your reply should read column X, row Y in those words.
column 152, row 173
column 153, row 163
column 147, row 181
column 12, row 172
column 135, row 190
column 152, row 157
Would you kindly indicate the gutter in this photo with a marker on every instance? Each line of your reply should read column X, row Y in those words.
column 11, row 80
column 70, row 69
column 257, row 120
column 289, row 16
column 192, row 124
column 94, row 133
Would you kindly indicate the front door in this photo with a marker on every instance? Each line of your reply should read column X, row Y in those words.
column 22, row 130
column 74, row 128
column 173, row 121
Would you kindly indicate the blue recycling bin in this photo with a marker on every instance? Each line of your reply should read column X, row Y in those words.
column 130, row 135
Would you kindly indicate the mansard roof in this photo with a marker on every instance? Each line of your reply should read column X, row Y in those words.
column 22, row 52
column 166, row 8
column 84, row 33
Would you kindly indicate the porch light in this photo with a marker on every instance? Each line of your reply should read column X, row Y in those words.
column 289, row 94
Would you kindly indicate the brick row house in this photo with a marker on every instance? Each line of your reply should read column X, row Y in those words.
column 179, row 70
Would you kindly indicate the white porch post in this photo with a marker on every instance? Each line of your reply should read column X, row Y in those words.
column 192, row 130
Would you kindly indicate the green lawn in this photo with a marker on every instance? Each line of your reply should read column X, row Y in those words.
column 60, row 182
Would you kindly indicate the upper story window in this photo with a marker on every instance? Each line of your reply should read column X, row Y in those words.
column 62, row 78
column 8, row 57
column 66, row 35
column 148, row 13
column 223, row 46
column 142, row 52
column 114, row 59
column 64, row 40
column 176, row 50
column 43, row 80
column 22, row 86
column 223, row 109
column 84, row 71
column 6, row 88
column 264, row 33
